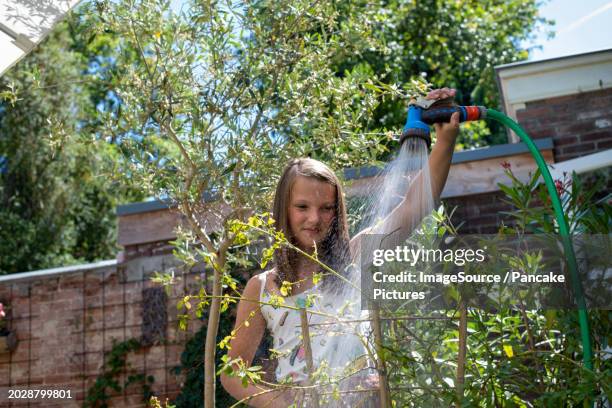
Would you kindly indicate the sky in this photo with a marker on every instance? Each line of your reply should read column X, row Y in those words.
column 581, row 26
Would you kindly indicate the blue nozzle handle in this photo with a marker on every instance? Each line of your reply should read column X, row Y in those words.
column 415, row 126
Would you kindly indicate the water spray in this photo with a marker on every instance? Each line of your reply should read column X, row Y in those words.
column 425, row 112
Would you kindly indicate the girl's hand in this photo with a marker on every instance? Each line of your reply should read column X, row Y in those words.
column 446, row 133
column 442, row 93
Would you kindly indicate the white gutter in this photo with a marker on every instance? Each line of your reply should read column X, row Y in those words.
column 582, row 164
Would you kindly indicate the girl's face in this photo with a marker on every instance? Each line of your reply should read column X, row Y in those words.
column 312, row 208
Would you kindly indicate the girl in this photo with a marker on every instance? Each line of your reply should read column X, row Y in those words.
column 309, row 209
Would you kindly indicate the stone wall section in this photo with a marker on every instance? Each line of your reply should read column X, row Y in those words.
column 66, row 325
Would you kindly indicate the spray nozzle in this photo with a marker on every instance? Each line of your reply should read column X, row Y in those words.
column 424, row 112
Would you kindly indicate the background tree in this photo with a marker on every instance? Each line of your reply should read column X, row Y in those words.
column 201, row 120
column 58, row 191
column 57, row 206
column 449, row 43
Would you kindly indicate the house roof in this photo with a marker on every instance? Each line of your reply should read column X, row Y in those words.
column 528, row 81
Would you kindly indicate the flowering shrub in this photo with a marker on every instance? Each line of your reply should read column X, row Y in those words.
column 517, row 356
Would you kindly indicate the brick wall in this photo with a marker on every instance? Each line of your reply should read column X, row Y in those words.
column 66, row 324
column 146, row 250
column 480, row 213
column 579, row 124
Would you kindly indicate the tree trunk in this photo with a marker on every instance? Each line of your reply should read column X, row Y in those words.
column 211, row 336
column 383, row 381
column 308, row 353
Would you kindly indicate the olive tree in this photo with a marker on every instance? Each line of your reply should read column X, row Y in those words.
column 216, row 97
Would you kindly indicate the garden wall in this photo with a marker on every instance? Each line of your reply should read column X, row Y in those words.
column 67, row 320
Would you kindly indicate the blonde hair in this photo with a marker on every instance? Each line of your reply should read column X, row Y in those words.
column 334, row 250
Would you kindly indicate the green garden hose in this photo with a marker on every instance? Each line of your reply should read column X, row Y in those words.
column 563, row 231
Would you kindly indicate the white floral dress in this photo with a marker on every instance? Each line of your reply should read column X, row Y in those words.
column 285, row 326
